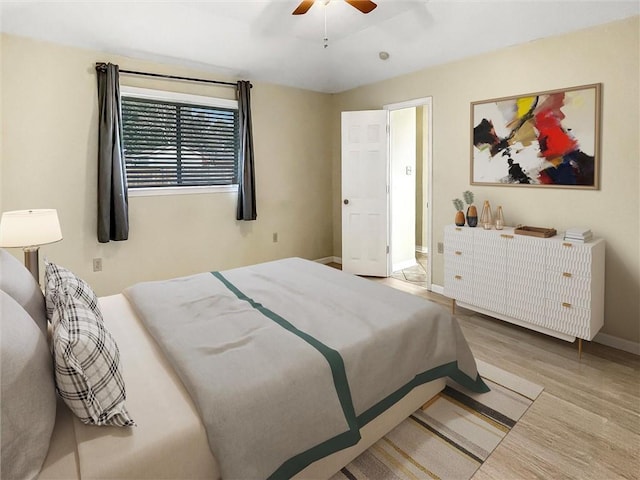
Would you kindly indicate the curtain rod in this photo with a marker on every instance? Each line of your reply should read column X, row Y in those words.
column 172, row 77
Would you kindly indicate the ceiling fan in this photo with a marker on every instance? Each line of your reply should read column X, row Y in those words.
column 365, row 6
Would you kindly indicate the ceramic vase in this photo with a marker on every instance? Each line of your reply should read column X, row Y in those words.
column 472, row 216
column 459, row 220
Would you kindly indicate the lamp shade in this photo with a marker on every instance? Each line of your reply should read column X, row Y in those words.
column 29, row 228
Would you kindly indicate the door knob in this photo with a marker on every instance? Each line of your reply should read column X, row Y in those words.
column 346, row 202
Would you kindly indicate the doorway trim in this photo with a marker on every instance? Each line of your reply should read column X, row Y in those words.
column 427, row 103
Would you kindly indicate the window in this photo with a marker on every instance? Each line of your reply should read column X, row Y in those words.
column 178, row 140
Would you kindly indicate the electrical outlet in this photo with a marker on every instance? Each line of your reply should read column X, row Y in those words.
column 97, row 264
column 275, row 237
column 440, row 247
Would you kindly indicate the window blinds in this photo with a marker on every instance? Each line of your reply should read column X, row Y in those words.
column 169, row 144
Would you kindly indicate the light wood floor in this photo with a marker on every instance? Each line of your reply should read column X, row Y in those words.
column 586, row 422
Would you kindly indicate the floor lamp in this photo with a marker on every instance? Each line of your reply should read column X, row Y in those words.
column 28, row 229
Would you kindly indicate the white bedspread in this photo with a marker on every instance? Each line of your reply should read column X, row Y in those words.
column 286, row 360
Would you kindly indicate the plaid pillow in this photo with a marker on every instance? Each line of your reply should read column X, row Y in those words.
column 85, row 355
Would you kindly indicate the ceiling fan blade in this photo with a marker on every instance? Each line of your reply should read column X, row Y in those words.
column 304, row 7
column 365, row 6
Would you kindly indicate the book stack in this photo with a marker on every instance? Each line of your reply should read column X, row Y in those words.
column 578, row 235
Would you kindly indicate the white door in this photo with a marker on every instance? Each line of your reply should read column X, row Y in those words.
column 365, row 193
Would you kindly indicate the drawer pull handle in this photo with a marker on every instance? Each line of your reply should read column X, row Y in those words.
column 567, row 244
column 458, row 253
column 566, row 274
column 458, row 229
column 566, row 305
column 504, row 235
column 458, row 277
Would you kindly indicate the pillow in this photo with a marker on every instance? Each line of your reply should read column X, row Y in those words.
column 27, row 391
column 86, row 358
column 18, row 282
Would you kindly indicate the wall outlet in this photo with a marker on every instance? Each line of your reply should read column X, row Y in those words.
column 275, row 237
column 97, row 264
column 440, row 247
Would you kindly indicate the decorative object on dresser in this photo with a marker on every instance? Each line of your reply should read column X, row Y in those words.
column 472, row 211
column 486, row 218
column 535, row 231
column 499, row 218
column 578, row 234
column 548, row 139
column 545, row 284
column 459, row 219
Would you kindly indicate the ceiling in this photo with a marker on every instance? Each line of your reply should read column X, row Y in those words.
column 260, row 40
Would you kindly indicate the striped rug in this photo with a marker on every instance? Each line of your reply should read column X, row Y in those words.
column 452, row 437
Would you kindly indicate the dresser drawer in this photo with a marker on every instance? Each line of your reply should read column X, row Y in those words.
column 569, row 319
column 525, row 255
column 458, row 284
column 459, row 256
column 568, row 288
column 526, row 281
column 530, row 308
column 458, row 238
column 569, row 257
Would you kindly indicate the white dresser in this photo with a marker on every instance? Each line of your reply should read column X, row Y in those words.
column 545, row 284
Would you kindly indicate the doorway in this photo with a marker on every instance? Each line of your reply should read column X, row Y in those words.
column 410, row 191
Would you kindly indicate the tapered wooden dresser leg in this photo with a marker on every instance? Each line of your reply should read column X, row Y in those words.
column 580, row 348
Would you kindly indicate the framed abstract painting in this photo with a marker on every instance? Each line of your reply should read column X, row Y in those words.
column 546, row 139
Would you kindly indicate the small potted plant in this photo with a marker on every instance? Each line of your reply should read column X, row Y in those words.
column 459, row 220
column 472, row 211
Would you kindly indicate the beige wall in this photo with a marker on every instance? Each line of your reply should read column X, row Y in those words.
column 49, row 143
column 607, row 54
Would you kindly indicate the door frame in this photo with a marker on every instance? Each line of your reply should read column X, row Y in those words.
column 427, row 103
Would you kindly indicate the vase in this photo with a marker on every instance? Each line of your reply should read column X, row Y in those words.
column 459, row 220
column 472, row 216
column 486, row 218
column 499, row 218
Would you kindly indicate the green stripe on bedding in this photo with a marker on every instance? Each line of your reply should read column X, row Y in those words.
column 339, row 442
column 450, row 370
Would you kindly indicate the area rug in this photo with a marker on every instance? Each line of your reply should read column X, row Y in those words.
column 453, row 436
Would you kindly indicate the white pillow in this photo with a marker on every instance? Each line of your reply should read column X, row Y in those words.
column 27, row 392
column 86, row 357
column 18, row 282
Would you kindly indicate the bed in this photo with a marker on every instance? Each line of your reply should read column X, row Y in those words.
column 285, row 417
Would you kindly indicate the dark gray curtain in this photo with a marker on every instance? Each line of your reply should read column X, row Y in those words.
column 113, row 202
column 246, row 174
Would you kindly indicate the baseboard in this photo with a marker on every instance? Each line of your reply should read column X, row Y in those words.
column 617, row 342
column 324, row 260
column 437, row 289
column 421, row 249
column 327, row 260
